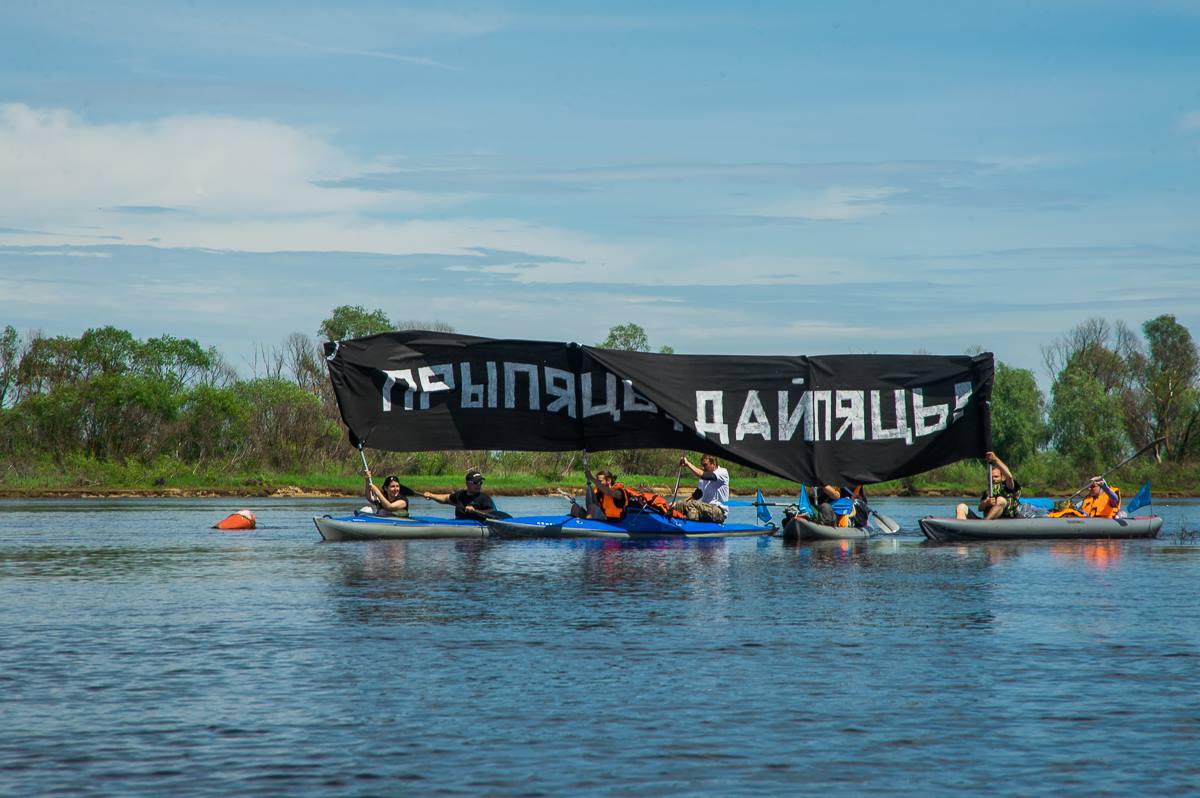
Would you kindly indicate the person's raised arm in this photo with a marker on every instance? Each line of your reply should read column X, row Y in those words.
column 1008, row 477
column 1113, row 498
column 696, row 471
column 372, row 491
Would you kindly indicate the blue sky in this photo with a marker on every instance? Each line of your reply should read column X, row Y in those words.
column 771, row 178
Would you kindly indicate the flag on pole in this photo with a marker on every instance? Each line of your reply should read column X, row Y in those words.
column 804, row 504
column 1140, row 500
column 764, row 514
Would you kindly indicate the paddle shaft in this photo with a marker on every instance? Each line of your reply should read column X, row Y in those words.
column 678, row 476
column 405, row 491
column 1125, row 462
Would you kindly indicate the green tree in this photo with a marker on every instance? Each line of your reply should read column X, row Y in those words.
column 181, row 361
column 10, row 354
column 126, row 415
column 1086, row 422
column 630, row 338
column 104, row 350
column 1169, row 382
column 290, row 428
column 46, row 364
column 354, row 321
column 1018, row 410
column 214, row 424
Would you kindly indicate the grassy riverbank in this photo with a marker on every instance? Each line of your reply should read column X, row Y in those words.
column 89, row 478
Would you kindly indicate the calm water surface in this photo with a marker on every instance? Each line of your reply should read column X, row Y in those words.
column 143, row 653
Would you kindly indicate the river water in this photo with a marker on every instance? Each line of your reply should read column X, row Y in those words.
column 143, row 653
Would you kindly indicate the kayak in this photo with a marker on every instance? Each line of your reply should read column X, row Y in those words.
column 945, row 529
column 641, row 526
column 372, row 527
column 798, row 528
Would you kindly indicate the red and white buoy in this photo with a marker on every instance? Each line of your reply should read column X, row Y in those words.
column 236, row 522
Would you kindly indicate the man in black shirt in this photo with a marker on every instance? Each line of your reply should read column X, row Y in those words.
column 471, row 503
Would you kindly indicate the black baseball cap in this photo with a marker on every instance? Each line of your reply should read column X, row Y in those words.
column 474, row 475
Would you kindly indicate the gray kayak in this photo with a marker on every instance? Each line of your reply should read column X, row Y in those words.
column 947, row 529
column 802, row 529
column 369, row 527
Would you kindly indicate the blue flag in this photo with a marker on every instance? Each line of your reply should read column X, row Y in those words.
column 1140, row 500
column 804, row 504
column 764, row 514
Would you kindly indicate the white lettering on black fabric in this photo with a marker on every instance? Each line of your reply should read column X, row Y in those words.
column 827, row 415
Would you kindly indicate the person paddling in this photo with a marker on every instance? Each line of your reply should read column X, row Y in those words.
column 607, row 503
column 1102, row 501
column 842, row 506
column 1002, row 501
column 471, row 503
column 713, row 490
column 389, row 500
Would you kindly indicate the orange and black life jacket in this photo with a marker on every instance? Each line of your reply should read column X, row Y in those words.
column 614, row 508
column 1101, row 506
column 652, row 502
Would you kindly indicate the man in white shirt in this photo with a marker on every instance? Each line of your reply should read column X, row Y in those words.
column 709, row 502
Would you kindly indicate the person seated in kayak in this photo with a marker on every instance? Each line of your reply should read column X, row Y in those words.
column 709, row 502
column 606, row 502
column 841, row 506
column 1102, row 501
column 387, row 501
column 1005, row 499
column 470, row 503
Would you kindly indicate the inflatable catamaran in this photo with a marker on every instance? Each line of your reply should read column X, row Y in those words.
column 843, row 419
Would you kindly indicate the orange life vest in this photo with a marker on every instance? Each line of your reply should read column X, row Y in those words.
column 652, row 501
column 1101, row 506
column 612, row 510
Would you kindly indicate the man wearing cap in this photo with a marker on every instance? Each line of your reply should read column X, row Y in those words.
column 471, row 503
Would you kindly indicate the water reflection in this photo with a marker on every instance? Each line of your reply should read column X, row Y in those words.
column 1099, row 554
column 402, row 581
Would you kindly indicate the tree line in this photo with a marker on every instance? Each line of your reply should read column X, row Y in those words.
column 1112, row 392
column 107, row 396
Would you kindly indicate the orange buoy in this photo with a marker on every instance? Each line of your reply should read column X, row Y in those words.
column 241, row 520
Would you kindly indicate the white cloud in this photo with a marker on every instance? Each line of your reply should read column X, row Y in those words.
column 67, row 169
column 837, row 203
column 248, row 185
column 52, row 253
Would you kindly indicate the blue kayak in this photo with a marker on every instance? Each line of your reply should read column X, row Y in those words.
column 639, row 526
column 373, row 527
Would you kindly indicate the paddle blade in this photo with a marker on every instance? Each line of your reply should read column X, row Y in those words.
column 1140, row 500
column 764, row 514
column 886, row 523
